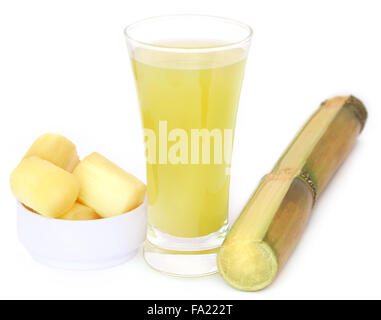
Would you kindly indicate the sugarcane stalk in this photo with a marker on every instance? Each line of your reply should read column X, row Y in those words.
column 270, row 225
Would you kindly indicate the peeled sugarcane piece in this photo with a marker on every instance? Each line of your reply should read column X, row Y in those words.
column 44, row 187
column 56, row 149
column 273, row 220
column 80, row 212
column 106, row 188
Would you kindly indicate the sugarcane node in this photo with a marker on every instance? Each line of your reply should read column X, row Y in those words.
column 359, row 110
column 307, row 179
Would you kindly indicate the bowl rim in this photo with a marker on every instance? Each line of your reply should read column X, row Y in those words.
column 141, row 209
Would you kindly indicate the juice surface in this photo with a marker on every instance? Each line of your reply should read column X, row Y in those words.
column 188, row 90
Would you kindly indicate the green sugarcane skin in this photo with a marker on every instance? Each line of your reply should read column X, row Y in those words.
column 272, row 222
column 333, row 146
column 290, row 220
column 251, row 263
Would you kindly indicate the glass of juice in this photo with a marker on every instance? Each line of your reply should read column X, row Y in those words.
column 188, row 71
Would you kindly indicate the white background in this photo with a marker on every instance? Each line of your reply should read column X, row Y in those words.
column 64, row 68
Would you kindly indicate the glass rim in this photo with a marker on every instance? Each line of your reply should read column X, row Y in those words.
column 216, row 47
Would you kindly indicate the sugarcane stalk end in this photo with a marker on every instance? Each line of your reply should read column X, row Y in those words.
column 247, row 265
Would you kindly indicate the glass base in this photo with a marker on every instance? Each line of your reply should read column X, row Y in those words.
column 183, row 257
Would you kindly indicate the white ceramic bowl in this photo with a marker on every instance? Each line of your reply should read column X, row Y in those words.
column 82, row 245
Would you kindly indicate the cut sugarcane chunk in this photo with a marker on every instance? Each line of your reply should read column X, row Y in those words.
column 56, row 149
column 106, row 188
column 44, row 187
column 80, row 212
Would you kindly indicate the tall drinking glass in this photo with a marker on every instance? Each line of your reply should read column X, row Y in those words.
column 188, row 71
